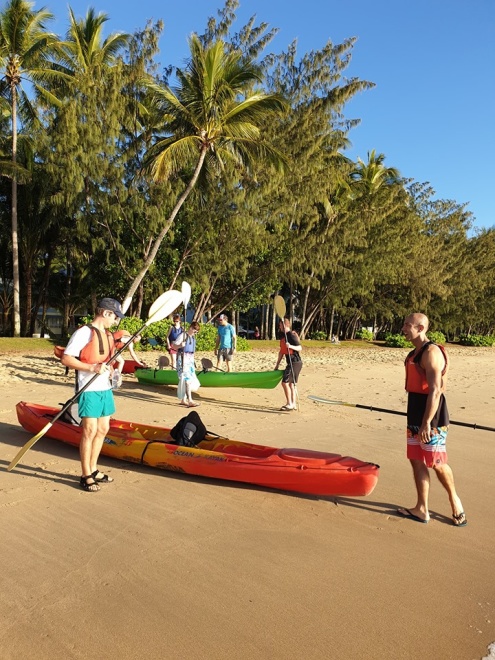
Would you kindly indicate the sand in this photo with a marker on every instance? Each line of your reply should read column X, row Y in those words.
column 162, row 566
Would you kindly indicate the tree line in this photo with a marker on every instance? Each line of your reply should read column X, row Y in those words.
column 122, row 177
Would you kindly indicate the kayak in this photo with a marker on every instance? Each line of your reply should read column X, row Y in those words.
column 130, row 366
column 297, row 470
column 266, row 380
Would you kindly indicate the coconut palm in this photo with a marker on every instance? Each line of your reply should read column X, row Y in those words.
column 368, row 178
column 25, row 51
column 85, row 52
column 213, row 117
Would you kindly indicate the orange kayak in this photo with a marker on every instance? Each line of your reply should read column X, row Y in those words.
column 297, row 470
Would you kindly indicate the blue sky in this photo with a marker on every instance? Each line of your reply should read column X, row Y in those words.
column 433, row 61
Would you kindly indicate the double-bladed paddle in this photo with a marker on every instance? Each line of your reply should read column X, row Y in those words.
column 160, row 309
column 320, row 399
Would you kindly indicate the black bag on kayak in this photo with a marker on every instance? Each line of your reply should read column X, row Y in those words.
column 189, row 431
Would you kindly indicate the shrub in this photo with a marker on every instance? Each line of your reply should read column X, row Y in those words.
column 205, row 339
column 397, row 341
column 438, row 337
column 318, row 335
column 477, row 340
column 364, row 333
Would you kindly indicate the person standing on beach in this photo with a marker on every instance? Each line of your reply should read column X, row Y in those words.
column 225, row 342
column 89, row 348
column 291, row 348
column 427, row 420
column 175, row 331
column 185, row 344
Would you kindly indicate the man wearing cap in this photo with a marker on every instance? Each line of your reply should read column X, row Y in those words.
column 88, row 350
column 225, row 342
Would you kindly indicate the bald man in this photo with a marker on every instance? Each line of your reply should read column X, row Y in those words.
column 427, row 420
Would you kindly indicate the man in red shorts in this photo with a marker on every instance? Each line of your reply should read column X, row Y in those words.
column 427, row 420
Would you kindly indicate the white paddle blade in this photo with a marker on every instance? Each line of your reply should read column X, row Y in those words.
column 279, row 304
column 164, row 306
column 186, row 294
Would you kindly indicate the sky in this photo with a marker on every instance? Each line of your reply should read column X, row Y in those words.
column 432, row 111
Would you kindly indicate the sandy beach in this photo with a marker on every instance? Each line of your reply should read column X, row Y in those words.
column 168, row 567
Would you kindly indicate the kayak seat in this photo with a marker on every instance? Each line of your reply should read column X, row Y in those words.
column 308, row 457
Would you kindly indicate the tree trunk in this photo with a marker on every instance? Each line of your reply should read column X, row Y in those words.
column 158, row 241
column 330, row 325
column 15, row 237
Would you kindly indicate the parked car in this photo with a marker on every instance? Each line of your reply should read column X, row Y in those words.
column 247, row 334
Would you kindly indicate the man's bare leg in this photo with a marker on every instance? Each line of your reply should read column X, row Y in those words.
column 446, row 478
column 90, row 427
column 103, row 424
column 422, row 482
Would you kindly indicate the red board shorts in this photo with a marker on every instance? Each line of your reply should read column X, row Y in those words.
column 431, row 453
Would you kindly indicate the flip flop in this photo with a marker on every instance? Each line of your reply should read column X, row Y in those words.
column 405, row 513
column 459, row 520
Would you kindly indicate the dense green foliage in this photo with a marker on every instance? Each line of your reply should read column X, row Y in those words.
column 205, row 339
column 230, row 173
column 477, row 340
column 397, row 341
column 364, row 333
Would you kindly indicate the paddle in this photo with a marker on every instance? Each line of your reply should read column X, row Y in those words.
column 280, row 308
column 320, row 399
column 208, row 364
column 186, row 297
column 160, row 309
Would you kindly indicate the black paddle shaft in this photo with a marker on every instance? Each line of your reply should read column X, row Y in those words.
column 398, row 412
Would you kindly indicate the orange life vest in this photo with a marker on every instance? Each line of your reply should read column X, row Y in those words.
column 99, row 349
column 121, row 338
column 291, row 335
column 415, row 374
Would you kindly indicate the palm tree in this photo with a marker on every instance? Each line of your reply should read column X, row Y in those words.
column 368, row 178
column 25, row 49
column 212, row 119
column 85, row 52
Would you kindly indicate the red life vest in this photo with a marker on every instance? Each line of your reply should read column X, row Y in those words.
column 99, row 349
column 283, row 345
column 415, row 374
column 121, row 338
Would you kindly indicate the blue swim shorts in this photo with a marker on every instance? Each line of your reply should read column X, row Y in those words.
column 96, row 404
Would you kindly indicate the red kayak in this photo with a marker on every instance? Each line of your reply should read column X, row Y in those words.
column 298, row 470
column 130, row 366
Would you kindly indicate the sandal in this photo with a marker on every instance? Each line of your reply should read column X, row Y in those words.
column 90, row 487
column 286, row 407
column 103, row 479
column 459, row 520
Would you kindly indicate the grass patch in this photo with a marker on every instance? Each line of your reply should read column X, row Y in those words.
column 23, row 344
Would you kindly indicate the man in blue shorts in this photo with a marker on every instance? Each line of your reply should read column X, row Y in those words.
column 226, row 342
column 89, row 348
